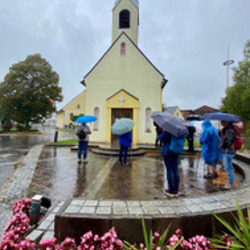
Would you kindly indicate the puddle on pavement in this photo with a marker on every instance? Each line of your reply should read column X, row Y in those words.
column 59, row 177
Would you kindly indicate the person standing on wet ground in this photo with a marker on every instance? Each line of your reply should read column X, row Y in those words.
column 124, row 142
column 159, row 131
column 190, row 138
column 83, row 132
column 210, row 142
column 171, row 163
column 228, row 152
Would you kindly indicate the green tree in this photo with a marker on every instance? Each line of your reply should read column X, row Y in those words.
column 29, row 91
column 237, row 100
column 74, row 117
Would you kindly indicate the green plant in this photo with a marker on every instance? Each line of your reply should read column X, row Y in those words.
column 239, row 237
column 74, row 117
column 248, row 132
column 152, row 242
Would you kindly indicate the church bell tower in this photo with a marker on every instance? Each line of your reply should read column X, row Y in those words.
column 126, row 19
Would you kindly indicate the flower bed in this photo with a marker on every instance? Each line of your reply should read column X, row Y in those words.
column 18, row 226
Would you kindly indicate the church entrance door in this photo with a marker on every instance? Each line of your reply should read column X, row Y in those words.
column 116, row 114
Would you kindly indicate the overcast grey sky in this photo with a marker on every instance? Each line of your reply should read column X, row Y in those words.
column 186, row 40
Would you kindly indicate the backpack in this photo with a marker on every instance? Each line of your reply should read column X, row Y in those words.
column 177, row 144
column 81, row 134
column 237, row 141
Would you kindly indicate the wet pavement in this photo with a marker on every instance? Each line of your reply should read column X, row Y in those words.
column 59, row 177
column 14, row 147
column 55, row 173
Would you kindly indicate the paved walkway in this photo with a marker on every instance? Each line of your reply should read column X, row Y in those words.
column 16, row 187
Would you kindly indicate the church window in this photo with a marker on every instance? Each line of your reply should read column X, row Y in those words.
column 123, row 49
column 124, row 19
column 78, row 106
column 148, row 120
column 96, row 114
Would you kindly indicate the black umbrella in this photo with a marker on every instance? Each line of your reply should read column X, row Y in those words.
column 172, row 124
column 194, row 117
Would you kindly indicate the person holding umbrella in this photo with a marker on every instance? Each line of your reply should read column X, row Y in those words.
column 227, row 149
column 210, row 141
column 125, row 141
column 83, row 132
column 122, row 128
column 173, row 137
column 227, row 142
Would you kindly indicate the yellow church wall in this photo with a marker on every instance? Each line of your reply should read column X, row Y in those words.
column 75, row 107
column 132, row 73
column 133, row 30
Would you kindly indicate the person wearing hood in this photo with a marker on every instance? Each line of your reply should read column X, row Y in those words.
column 227, row 149
column 210, row 141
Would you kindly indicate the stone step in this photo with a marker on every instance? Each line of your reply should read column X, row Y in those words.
column 116, row 152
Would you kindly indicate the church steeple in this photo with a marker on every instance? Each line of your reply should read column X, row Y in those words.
column 126, row 19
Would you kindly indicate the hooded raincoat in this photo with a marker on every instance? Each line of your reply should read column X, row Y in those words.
column 210, row 141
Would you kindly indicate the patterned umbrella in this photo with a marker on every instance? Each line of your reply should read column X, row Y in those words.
column 172, row 124
column 221, row 117
column 85, row 119
column 122, row 126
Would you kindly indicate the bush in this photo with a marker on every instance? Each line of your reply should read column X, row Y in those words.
column 7, row 127
column 20, row 127
column 248, row 132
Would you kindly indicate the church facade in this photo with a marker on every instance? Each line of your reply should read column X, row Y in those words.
column 124, row 83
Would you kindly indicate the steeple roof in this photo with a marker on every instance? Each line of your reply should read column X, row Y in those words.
column 135, row 2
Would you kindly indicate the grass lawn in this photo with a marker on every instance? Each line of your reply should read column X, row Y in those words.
column 65, row 142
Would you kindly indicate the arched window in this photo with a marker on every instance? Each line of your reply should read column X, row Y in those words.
column 148, row 120
column 123, row 49
column 124, row 19
column 96, row 114
column 78, row 106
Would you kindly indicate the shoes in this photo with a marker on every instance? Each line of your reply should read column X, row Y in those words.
column 79, row 161
column 171, row 195
column 85, row 161
column 227, row 186
column 125, row 164
column 213, row 175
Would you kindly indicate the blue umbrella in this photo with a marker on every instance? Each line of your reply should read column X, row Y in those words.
column 172, row 124
column 122, row 126
column 221, row 117
column 85, row 119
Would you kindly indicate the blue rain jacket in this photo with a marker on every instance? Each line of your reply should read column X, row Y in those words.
column 210, row 141
column 125, row 139
column 165, row 138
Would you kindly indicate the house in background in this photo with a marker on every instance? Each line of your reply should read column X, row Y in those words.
column 199, row 111
column 175, row 110
column 76, row 106
column 205, row 109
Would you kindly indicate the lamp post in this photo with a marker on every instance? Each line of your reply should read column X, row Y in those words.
column 227, row 63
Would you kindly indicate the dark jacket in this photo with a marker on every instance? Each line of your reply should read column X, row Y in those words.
column 165, row 138
column 125, row 139
column 227, row 140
